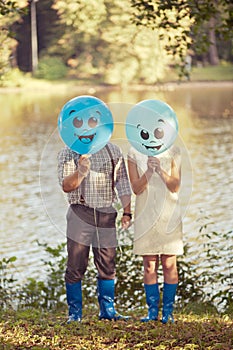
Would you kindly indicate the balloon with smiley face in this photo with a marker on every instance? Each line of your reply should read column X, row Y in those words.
column 151, row 127
column 85, row 124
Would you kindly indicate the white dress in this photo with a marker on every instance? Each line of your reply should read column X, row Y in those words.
column 157, row 224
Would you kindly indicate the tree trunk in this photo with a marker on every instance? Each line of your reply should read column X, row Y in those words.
column 213, row 52
column 34, row 42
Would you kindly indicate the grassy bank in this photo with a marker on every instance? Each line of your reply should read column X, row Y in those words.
column 212, row 73
column 31, row 329
column 220, row 73
column 209, row 74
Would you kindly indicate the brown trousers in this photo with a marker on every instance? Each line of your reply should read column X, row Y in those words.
column 90, row 227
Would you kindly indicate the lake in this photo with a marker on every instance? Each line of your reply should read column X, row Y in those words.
column 33, row 206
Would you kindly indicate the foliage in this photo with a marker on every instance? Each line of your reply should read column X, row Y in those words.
column 7, row 281
column 7, row 7
column 51, row 68
column 171, row 19
column 185, row 23
column 197, row 282
column 78, row 13
column 48, row 32
column 33, row 329
column 218, row 270
column 202, row 281
column 110, row 47
column 5, row 51
column 111, row 41
column 12, row 78
column 49, row 292
column 129, row 284
column 10, row 11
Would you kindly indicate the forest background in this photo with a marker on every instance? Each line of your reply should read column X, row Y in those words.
column 112, row 42
column 117, row 42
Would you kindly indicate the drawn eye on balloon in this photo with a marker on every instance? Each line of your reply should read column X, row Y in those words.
column 85, row 124
column 151, row 127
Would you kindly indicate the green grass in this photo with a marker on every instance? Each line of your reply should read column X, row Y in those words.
column 222, row 72
column 32, row 329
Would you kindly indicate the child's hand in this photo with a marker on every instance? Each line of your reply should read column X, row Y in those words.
column 153, row 164
column 84, row 165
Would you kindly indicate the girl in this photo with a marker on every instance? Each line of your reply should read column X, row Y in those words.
column 157, row 226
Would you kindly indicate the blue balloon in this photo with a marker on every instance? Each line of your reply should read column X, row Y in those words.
column 151, row 127
column 85, row 124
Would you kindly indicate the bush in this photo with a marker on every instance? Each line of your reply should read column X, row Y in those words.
column 197, row 284
column 7, row 281
column 12, row 78
column 51, row 68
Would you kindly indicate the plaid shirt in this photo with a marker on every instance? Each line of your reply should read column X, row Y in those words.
column 96, row 188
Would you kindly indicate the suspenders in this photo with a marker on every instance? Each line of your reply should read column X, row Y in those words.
column 113, row 166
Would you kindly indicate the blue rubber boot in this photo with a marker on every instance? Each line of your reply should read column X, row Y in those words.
column 106, row 291
column 74, row 301
column 152, row 300
column 169, row 293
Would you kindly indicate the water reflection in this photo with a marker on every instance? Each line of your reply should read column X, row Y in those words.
column 29, row 144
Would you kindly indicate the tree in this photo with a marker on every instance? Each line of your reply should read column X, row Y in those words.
column 10, row 11
column 101, row 41
column 48, row 33
column 7, row 7
column 214, row 16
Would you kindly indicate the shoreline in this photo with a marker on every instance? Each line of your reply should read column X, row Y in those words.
column 43, row 86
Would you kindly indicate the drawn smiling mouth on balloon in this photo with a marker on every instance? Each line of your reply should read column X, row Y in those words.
column 86, row 138
column 152, row 147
